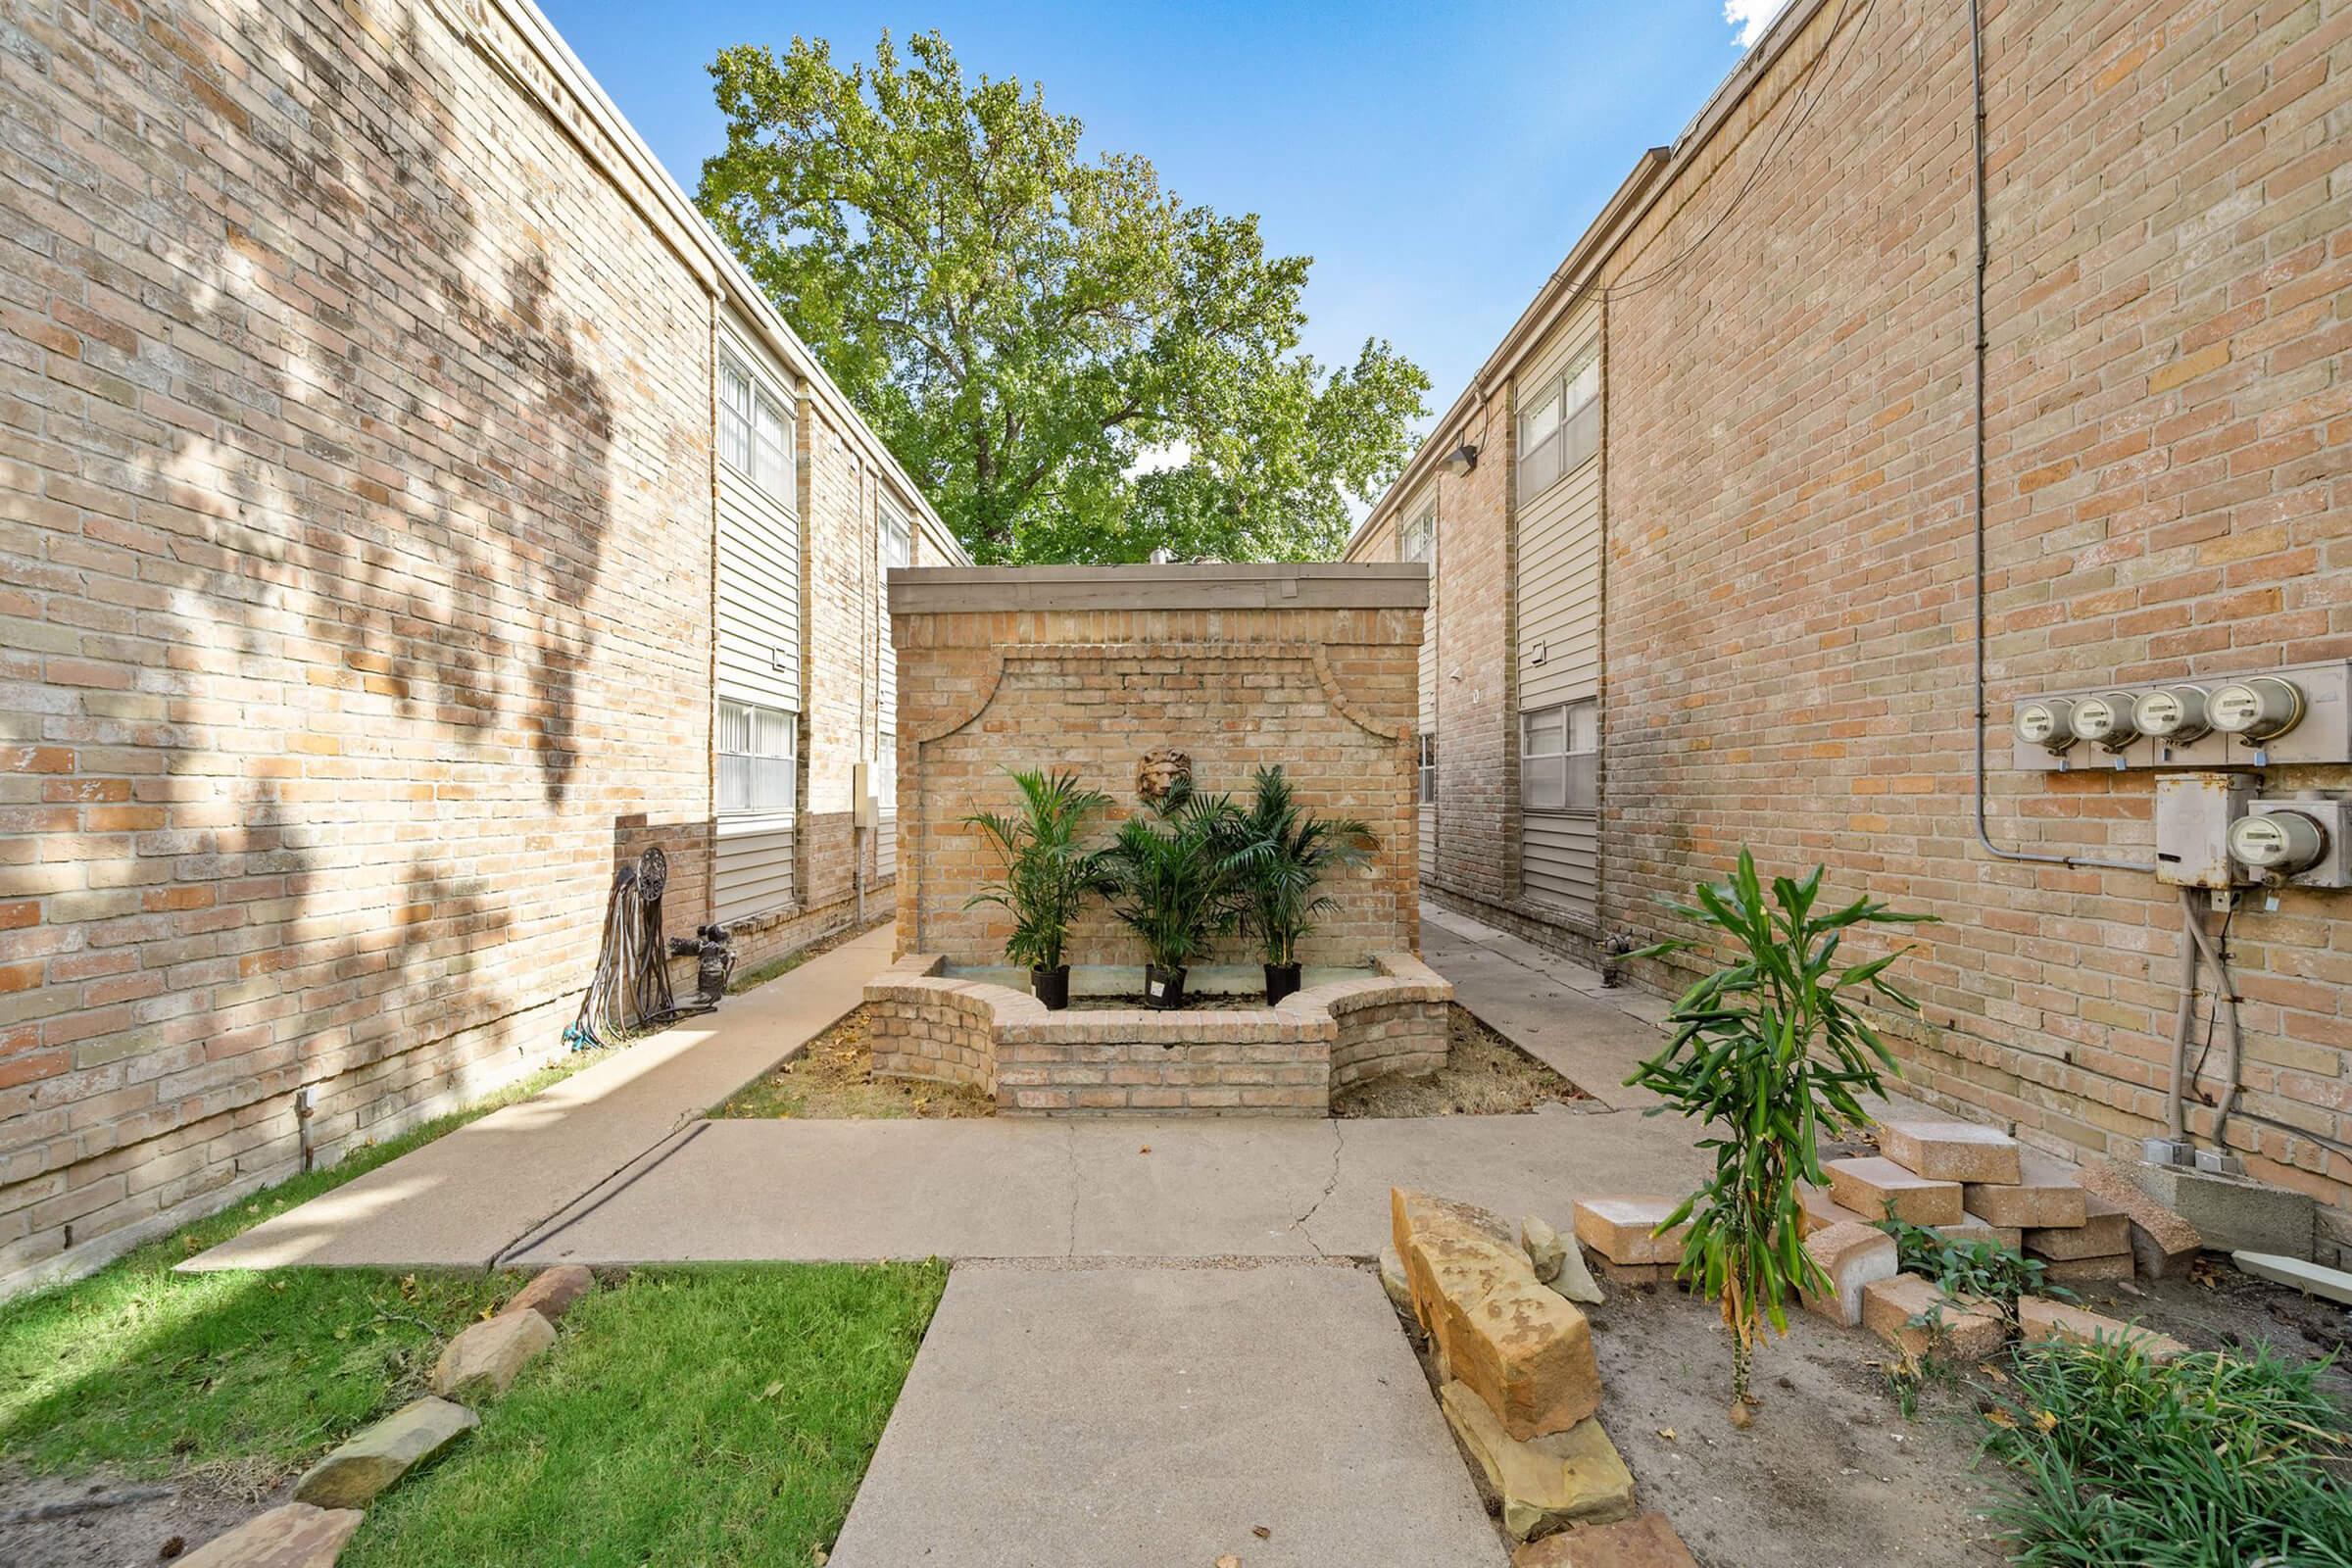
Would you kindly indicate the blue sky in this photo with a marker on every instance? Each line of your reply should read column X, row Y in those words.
column 1436, row 161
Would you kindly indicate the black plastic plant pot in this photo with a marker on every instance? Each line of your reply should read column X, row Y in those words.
column 1051, row 985
column 1163, row 988
column 1281, row 980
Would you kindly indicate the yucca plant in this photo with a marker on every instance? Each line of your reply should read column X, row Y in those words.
column 1768, row 1053
column 1044, row 878
column 1279, row 855
column 1171, row 883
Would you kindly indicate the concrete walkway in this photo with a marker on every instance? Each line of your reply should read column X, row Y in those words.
column 463, row 1201
column 1159, row 1417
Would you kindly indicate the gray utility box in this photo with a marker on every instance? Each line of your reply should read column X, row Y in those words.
column 2317, row 698
column 2194, row 814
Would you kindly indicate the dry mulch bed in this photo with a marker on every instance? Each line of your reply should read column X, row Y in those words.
column 1484, row 1075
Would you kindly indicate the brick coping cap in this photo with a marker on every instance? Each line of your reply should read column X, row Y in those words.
column 1316, row 585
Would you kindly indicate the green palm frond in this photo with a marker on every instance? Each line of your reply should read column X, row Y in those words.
column 1045, row 877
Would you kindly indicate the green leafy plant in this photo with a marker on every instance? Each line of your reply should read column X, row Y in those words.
column 1972, row 1270
column 1170, row 877
column 1768, row 1053
column 2206, row 1462
column 1044, row 878
column 1279, row 852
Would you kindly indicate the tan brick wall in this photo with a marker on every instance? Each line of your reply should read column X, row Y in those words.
column 356, row 511
column 1326, row 693
column 1787, row 589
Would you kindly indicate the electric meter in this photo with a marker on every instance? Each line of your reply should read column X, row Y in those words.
column 2172, row 713
column 2277, row 843
column 2106, row 721
column 2046, row 723
column 2257, row 708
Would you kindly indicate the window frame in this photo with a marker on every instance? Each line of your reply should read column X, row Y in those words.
column 742, row 731
column 1425, row 789
column 1574, row 436
column 890, row 523
column 759, row 435
column 1575, row 780
column 1418, row 540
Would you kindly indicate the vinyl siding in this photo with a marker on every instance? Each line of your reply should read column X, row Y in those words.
column 758, row 644
column 1557, row 590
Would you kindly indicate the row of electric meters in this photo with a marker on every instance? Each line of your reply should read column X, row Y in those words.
column 2300, row 714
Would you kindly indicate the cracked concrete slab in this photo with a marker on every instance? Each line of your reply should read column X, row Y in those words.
column 1144, row 1416
column 1100, row 1188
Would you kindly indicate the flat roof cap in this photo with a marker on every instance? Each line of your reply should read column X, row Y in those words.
column 1318, row 585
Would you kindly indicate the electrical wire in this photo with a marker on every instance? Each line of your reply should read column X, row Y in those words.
column 2213, row 1007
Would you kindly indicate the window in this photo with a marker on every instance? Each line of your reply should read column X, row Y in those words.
column 755, row 434
column 1559, row 757
column 735, row 400
column 898, row 540
column 755, row 747
column 1419, row 541
column 1559, row 429
column 1429, row 770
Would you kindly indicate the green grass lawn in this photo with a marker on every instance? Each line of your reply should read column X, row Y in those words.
column 156, row 1371
column 707, row 1416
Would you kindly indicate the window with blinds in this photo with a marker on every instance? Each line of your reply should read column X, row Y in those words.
column 1559, row 429
column 756, row 757
column 898, row 540
column 1559, row 757
column 735, row 402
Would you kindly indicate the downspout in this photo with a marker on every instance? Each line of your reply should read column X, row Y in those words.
column 1983, row 712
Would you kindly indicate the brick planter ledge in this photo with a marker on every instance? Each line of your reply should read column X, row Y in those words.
column 1284, row 1060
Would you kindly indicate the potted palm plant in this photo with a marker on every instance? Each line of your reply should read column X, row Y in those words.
column 1171, row 884
column 1045, row 877
column 1279, row 855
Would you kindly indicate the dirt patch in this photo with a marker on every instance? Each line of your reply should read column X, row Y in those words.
column 1830, row 1476
column 106, row 1520
column 1484, row 1075
column 833, row 1079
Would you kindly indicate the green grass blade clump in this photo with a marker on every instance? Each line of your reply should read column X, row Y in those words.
column 2208, row 1461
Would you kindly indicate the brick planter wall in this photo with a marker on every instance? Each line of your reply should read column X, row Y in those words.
column 1244, row 1060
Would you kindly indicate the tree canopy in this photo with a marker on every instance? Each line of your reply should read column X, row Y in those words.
column 1075, row 363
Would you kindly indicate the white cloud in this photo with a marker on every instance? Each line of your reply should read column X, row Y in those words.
column 1160, row 459
column 1751, row 18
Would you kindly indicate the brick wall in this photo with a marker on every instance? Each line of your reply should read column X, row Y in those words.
column 1325, row 692
column 355, row 508
column 2168, row 299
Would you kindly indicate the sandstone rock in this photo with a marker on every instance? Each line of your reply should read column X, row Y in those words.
column 1549, row 1481
column 553, row 1290
column 1872, row 1187
column 1393, row 1280
column 2163, row 1244
column 1523, row 1347
column 294, row 1536
column 2042, row 1320
column 2087, row 1270
column 2046, row 1195
column 1409, row 1206
column 1950, row 1150
column 374, row 1459
column 1914, row 1316
column 1816, row 1209
column 1620, row 1229
column 2105, row 1230
column 1544, row 1248
column 1576, row 1281
column 1853, row 1255
column 1972, row 1228
column 482, row 1362
column 1647, row 1542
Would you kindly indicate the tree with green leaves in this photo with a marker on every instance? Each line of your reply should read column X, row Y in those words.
column 1769, row 1052
column 1074, row 363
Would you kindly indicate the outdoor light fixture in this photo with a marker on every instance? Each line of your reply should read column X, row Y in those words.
column 1460, row 461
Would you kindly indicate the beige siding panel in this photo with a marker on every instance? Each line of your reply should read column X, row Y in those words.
column 1428, row 839
column 1559, row 591
column 758, row 598
column 754, row 868
column 1560, row 864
